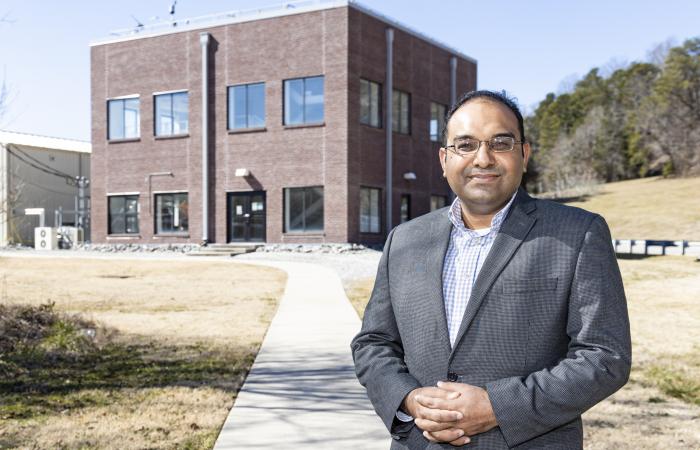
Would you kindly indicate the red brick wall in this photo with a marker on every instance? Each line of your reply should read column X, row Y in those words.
column 421, row 69
column 343, row 44
column 269, row 50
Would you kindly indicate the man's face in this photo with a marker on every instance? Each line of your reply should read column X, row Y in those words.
column 484, row 181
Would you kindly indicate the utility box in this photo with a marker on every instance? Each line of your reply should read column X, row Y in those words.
column 45, row 238
column 71, row 236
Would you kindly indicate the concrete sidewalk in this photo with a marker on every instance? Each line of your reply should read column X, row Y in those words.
column 301, row 392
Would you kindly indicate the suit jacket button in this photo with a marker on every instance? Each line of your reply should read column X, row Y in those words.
column 451, row 376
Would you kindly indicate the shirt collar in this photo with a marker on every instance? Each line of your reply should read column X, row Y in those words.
column 455, row 216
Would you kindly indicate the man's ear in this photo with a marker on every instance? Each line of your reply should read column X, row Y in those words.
column 526, row 155
column 442, row 156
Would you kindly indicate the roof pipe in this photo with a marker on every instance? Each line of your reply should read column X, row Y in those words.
column 389, row 83
column 204, row 41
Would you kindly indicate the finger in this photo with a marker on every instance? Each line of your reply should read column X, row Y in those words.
column 439, row 415
column 438, row 403
column 437, row 392
column 450, row 386
column 429, row 425
column 448, row 435
column 429, row 437
column 461, row 441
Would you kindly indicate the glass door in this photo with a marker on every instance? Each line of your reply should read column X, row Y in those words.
column 246, row 216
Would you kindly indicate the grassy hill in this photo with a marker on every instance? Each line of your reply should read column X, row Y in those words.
column 649, row 208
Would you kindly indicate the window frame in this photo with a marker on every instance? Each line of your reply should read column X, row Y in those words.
column 304, row 121
column 156, row 196
column 229, row 110
column 126, row 214
column 379, row 210
column 444, row 197
column 404, row 100
column 286, row 213
column 156, row 124
column 379, row 103
column 440, row 120
column 408, row 208
column 124, row 99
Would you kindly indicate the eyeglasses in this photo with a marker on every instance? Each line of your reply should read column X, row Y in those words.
column 467, row 146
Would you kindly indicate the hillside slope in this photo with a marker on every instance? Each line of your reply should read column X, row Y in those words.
column 649, row 208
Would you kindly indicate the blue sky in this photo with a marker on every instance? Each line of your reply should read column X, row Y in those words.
column 528, row 48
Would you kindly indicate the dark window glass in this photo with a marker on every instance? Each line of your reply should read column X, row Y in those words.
column 405, row 208
column 303, row 209
column 246, row 106
column 401, row 114
column 437, row 120
column 123, row 118
column 303, row 100
column 172, row 114
column 171, row 213
column 437, row 202
column 123, row 214
column 369, row 210
column 370, row 103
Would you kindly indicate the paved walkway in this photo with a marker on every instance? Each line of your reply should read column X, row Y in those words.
column 301, row 392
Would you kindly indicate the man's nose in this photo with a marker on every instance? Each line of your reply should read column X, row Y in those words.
column 483, row 156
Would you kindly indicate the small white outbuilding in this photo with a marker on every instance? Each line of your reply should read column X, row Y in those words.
column 42, row 172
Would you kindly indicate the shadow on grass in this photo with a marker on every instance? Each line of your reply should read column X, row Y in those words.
column 633, row 256
column 50, row 384
column 49, row 364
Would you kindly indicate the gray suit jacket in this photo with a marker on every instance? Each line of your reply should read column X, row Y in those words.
column 545, row 332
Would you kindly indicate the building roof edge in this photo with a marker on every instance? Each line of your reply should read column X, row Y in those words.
column 34, row 140
column 301, row 7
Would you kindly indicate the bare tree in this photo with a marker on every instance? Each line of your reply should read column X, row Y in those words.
column 657, row 55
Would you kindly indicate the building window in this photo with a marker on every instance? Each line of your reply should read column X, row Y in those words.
column 123, row 118
column 246, row 106
column 171, row 213
column 369, row 210
column 303, row 209
column 401, row 115
column 303, row 101
column 371, row 103
column 405, row 208
column 437, row 202
column 123, row 214
column 172, row 114
column 437, row 120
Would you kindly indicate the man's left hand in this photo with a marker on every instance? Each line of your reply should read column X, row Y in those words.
column 475, row 406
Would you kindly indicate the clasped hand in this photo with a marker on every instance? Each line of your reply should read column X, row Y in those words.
column 450, row 412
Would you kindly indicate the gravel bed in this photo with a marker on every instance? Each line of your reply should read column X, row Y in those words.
column 350, row 261
column 349, row 266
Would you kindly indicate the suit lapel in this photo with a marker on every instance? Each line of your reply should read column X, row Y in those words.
column 513, row 231
column 440, row 231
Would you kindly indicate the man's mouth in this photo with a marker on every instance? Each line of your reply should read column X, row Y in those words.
column 483, row 176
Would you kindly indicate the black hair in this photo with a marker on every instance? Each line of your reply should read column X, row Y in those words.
column 499, row 97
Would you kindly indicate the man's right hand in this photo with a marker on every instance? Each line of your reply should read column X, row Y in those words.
column 445, row 418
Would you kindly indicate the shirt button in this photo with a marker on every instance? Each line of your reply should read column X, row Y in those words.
column 451, row 376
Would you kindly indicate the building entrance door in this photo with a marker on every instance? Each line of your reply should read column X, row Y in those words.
column 246, row 216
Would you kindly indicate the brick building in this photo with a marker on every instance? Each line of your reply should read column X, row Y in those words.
column 305, row 104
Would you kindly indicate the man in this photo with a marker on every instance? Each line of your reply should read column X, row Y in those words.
column 495, row 322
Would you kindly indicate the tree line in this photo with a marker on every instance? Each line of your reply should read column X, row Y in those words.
column 640, row 120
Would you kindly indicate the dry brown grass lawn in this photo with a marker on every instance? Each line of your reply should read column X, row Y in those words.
column 186, row 333
column 663, row 295
column 649, row 208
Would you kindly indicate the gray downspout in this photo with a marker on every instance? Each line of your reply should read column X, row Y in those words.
column 204, row 41
column 453, row 80
column 453, row 98
column 389, row 83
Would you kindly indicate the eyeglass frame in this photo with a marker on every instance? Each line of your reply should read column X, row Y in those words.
column 488, row 145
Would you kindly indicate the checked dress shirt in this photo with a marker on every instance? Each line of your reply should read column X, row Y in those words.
column 463, row 260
